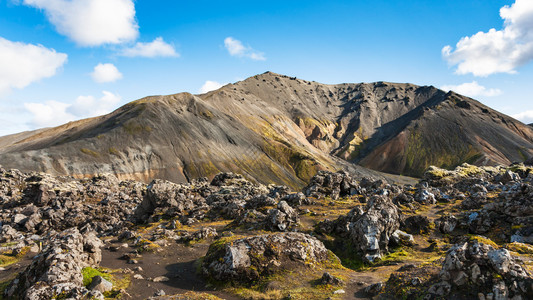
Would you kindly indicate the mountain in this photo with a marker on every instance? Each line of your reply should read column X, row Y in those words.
column 275, row 128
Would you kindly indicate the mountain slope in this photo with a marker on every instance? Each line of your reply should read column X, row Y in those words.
column 176, row 137
column 275, row 128
column 396, row 128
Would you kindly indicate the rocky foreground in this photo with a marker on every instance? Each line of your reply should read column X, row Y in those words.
column 462, row 234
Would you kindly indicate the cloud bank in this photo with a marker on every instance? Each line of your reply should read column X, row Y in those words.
column 497, row 51
column 54, row 113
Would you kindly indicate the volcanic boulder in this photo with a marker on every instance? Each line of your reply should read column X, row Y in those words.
column 334, row 185
column 475, row 268
column 166, row 198
column 248, row 259
column 282, row 218
column 369, row 230
column 57, row 270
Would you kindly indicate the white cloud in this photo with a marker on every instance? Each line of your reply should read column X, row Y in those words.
column 236, row 48
column 53, row 113
column 497, row 51
column 106, row 73
column 91, row 22
column 11, row 112
column 472, row 89
column 526, row 116
column 89, row 106
column 157, row 47
column 210, row 86
column 50, row 113
column 22, row 64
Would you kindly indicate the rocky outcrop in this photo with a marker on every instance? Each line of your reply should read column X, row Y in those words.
column 491, row 197
column 164, row 198
column 327, row 278
column 369, row 229
column 446, row 224
column 416, row 224
column 282, row 218
column 472, row 269
column 333, row 185
column 511, row 210
column 57, row 270
column 372, row 229
column 226, row 196
column 248, row 259
column 480, row 270
column 202, row 234
column 41, row 202
column 381, row 217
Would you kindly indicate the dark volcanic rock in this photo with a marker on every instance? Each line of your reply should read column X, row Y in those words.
column 416, row 224
column 330, row 279
column 334, row 185
column 43, row 202
column 446, row 224
column 202, row 234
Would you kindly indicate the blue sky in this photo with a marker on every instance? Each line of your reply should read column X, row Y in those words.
column 62, row 60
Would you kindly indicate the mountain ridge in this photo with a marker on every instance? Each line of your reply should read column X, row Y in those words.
column 280, row 129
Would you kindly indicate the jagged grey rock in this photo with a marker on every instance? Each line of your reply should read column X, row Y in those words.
column 247, row 259
column 474, row 267
column 282, row 218
column 58, row 268
column 369, row 230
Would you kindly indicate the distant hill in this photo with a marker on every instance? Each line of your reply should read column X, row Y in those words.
column 275, row 128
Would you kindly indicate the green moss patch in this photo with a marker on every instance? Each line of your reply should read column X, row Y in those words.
column 119, row 281
column 145, row 245
column 296, row 284
column 89, row 273
column 520, row 248
column 482, row 239
column 9, row 259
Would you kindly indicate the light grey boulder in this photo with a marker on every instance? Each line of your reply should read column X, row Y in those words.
column 247, row 259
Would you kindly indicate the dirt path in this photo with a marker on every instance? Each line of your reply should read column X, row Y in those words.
column 175, row 261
